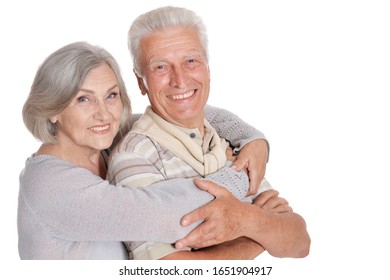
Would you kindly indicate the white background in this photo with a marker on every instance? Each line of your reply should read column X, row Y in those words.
column 312, row 75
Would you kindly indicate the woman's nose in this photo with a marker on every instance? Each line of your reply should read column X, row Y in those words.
column 102, row 112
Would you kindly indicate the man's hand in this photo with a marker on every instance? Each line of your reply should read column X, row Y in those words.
column 268, row 221
column 270, row 201
column 221, row 216
column 253, row 157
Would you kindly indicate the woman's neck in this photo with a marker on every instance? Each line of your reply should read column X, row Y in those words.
column 82, row 157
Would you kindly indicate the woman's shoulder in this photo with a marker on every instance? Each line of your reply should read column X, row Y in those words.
column 48, row 172
column 45, row 163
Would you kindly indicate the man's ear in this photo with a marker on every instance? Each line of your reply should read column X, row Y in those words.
column 141, row 84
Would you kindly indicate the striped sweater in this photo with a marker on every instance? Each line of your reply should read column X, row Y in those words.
column 141, row 159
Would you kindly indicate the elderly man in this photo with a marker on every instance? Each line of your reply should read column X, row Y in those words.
column 174, row 140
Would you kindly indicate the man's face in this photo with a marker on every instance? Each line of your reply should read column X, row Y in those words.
column 176, row 76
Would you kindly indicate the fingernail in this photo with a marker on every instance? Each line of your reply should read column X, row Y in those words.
column 184, row 223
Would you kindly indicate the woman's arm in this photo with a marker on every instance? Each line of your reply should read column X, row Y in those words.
column 232, row 128
column 74, row 204
column 249, row 143
column 227, row 125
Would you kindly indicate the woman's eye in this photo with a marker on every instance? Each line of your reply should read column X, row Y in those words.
column 82, row 99
column 113, row 95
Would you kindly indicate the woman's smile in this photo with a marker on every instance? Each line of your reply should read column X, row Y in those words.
column 100, row 129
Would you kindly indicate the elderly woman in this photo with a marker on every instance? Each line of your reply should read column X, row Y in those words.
column 67, row 210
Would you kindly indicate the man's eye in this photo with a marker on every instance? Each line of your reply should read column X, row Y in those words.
column 191, row 63
column 161, row 68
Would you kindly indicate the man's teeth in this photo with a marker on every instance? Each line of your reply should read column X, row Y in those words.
column 183, row 96
column 99, row 128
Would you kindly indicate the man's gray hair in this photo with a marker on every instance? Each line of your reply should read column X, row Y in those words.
column 159, row 19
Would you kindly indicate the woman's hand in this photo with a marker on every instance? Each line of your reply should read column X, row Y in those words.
column 252, row 158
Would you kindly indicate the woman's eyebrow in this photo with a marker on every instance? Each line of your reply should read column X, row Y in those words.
column 92, row 92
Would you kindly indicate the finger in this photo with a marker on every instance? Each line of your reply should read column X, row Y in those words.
column 262, row 198
column 206, row 210
column 188, row 241
column 256, row 175
column 201, row 236
column 273, row 203
column 204, row 244
column 183, row 243
column 281, row 209
column 210, row 187
column 240, row 163
column 197, row 215
column 254, row 182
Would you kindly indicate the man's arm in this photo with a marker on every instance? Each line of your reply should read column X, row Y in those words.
column 281, row 234
column 242, row 248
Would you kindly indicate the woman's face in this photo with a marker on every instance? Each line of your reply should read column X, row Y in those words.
column 93, row 117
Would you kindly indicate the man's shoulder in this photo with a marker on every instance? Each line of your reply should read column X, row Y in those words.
column 132, row 142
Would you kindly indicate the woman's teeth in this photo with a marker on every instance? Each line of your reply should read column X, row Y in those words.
column 99, row 128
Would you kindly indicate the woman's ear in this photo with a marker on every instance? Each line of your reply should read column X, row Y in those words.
column 141, row 84
column 53, row 119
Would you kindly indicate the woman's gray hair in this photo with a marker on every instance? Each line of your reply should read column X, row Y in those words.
column 159, row 19
column 57, row 82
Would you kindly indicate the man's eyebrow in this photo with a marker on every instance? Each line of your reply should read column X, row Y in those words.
column 194, row 53
column 156, row 60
